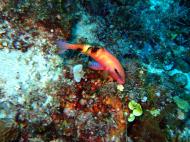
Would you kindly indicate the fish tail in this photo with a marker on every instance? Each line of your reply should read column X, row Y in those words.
column 63, row 46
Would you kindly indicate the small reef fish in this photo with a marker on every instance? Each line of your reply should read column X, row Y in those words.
column 104, row 59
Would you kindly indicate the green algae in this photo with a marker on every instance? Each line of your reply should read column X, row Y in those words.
column 136, row 110
column 182, row 104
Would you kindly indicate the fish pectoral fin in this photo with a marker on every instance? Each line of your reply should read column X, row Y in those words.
column 95, row 66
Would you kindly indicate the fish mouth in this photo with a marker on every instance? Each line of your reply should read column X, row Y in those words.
column 121, row 81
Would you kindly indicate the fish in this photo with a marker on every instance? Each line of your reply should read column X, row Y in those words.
column 104, row 60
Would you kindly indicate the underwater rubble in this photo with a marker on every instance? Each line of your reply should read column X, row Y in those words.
column 51, row 97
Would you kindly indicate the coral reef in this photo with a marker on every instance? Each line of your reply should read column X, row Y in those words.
column 45, row 96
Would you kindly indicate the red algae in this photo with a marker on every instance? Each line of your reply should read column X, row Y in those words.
column 94, row 109
column 93, row 116
column 116, row 107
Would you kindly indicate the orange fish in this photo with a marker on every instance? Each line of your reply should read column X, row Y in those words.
column 104, row 59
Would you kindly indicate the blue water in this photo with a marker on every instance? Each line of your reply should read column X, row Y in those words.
column 44, row 97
